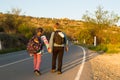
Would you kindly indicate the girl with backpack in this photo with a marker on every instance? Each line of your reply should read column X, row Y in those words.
column 34, row 48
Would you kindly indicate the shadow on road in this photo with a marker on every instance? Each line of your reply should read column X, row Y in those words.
column 68, row 65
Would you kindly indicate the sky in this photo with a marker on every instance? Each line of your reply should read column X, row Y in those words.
column 72, row 9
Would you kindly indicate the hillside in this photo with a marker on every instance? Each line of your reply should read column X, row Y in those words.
column 20, row 28
column 12, row 24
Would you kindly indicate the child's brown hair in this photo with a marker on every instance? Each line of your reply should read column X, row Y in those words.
column 39, row 30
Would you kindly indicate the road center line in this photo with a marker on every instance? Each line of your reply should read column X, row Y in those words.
column 18, row 61
column 82, row 65
column 15, row 62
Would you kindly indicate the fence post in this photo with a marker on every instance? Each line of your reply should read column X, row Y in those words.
column 0, row 45
column 84, row 41
column 95, row 43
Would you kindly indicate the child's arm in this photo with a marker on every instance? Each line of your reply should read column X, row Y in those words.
column 36, row 40
column 46, row 43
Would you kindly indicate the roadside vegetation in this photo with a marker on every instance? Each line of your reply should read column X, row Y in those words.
column 16, row 29
column 101, row 24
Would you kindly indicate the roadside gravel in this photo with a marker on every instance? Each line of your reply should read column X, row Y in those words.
column 106, row 67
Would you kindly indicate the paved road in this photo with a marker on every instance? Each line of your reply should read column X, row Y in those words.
column 19, row 66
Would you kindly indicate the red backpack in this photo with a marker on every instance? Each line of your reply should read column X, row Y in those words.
column 33, row 47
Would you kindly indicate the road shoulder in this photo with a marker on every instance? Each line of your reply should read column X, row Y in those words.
column 106, row 67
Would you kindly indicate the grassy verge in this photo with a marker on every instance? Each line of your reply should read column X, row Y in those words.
column 113, row 48
column 107, row 48
column 11, row 50
column 101, row 47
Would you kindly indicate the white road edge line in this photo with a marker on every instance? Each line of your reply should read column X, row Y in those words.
column 82, row 65
column 18, row 61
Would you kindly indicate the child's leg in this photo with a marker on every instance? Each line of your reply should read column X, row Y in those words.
column 35, row 61
column 38, row 62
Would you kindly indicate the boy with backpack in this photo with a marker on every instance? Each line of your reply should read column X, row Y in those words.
column 34, row 48
column 58, row 42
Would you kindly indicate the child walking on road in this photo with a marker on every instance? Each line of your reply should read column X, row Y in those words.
column 34, row 48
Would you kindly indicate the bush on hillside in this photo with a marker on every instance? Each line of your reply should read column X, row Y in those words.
column 85, row 37
column 26, row 30
column 1, row 29
column 12, row 41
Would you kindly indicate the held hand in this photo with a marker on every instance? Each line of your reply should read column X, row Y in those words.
column 31, row 55
column 49, row 50
column 66, row 48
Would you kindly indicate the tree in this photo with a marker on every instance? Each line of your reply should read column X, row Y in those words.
column 85, row 37
column 15, row 11
column 99, row 23
column 12, row 20
column 101, row 17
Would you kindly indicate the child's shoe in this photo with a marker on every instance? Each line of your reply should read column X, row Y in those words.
column 53, row 71
column 37, row 72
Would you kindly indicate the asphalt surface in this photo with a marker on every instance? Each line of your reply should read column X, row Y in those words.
column 19, row 66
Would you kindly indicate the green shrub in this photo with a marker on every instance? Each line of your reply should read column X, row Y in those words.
column 1, row 29
column 85, row 37
column 26, row 30
column 11, row 41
